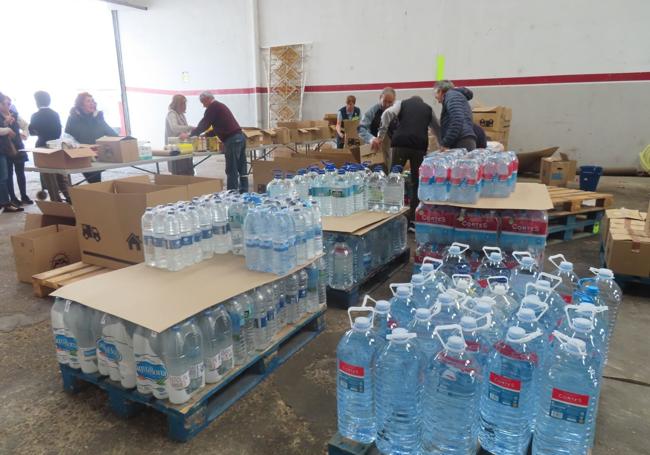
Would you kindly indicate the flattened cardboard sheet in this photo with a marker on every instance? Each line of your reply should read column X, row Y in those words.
column 527, row 196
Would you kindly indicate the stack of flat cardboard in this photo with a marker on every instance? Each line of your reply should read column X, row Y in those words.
column 495, row 120
column 626, row 235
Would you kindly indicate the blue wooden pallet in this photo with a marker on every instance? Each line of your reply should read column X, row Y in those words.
column 564, row 226
column 186, row 420
column 349, row 297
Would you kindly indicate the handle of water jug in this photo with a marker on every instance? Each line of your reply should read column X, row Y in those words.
column 550, row 278
column 519, row 255
column 527, row 338
column 500, row 279
column 564, row 339
column 488, row 249
column 360, row 309
column 437, row 263
column 488, row 321
column 463, row 246
column 365, row 300
column 553, row 260
column 393, row 287
column 456, row 277
column 446, row 328
column 465, row 304
column 456, row 295
column 594, row 270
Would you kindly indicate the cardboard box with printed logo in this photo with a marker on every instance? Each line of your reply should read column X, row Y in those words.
column 493, row 118
column 117, row 149
column 557, row 170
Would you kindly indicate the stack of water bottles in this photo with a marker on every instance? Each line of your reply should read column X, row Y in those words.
column 446, row 365
column 352, row 257
column 462, row 176
column 341, row 192
column 178, row 362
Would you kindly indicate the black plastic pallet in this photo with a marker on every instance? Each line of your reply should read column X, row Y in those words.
column 350, row 297
column 186, row 420
column 565, row 227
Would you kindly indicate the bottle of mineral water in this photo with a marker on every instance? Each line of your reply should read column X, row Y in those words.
column 205, row 221
column 420, row 297
column 525, row 272
column 300, row 224
column 492, row 265
column 342, row 198
column 173, row 243
column 355, row 382
column 187, row 238
column 508, row 402
column 216, row 334
column 280, row 305
column 376, row 184
column 610, row 292
column 485, row 307
column 151, row 374
column 197, row 252
column 341, row 266
column 301, row 185
column 148, row 237
column 275, row 188
column 451, row 393
column 76, row 319
column 324, row 191
column 322, row 280
column 283, row 240
column 599, row 320
column 58, row 330
column 303, row 279
column 455, row 260
column 121, row 335
column 358, row 189
column 394, row 191
column 159, row 240
column 318, row 228
column 238, row 324
column 546, row 292
column 447, row 310
column 398, row 391
column 437, row 281
column 568, row 399
column 402, row 304
column 504, row 302
column 193, row 349
column 546, row 319
column 423, row 327
column 310, row 229
column 177, row 363
column 236, row 215
column 108, row 354
column 65, row 338
column 260, row 331
column 383, row 321
column 312, row 288
column 476, row 335
column 220, row 227
column 292, row 289
column 569, row 279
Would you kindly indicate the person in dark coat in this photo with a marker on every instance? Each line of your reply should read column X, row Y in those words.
column 86, row 124
column 7, row 140
column 16, row 163
column 456, row 130
column 481, row 138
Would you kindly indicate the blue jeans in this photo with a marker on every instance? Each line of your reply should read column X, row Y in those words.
column 4, row 174
column 235, row 152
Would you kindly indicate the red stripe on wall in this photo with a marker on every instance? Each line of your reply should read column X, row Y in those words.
column 486, row 82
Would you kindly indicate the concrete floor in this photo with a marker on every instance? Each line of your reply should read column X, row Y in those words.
column 294, row 411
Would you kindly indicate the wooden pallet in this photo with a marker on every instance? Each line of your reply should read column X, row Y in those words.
column 47, row 282
column 567, row 201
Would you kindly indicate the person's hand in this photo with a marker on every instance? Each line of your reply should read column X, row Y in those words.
column 10, row 120
column 183, row 136
column 23, row 136
column 341, row 134
column 11, row 134
column 375, row 144
column 443, row 148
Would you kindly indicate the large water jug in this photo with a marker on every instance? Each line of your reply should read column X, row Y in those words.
column 216, row 334
column 568, row 399
column 437, row 281
column 376, row 185
column 498, row 290
column 77, row 319
column 569, row 282
column 384, row 322
column 544, row 287
column 452, row 384
column 599, row 320
column 484, row 309
column 420, row 297
column 610, row 293
column 546, row 319
column 475, row 333
column 455, row 261
column 341, row 266
column 423, row 327
column 492, row 265
column 151, row 373
column 508, row 402
column 525, row 272
column 398, row 369
column 447, row 310
column 183, row 356
column 355, row 379
column 61, row 343
column 402, row 304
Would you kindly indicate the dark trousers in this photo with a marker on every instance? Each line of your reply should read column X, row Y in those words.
column 235, row 153
column 468, row 143
column 414, row 157
column 93, row 177
column 4, row 195
column 55, row 185
column 17, row 167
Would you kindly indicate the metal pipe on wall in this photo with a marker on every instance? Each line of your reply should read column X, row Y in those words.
column 120, row 70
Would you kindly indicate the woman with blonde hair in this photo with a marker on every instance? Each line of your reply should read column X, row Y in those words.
column 176, row 126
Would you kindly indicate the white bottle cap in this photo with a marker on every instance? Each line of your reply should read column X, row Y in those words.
column 566, row 266
column 516, row 333
column 526, row 315
column 382, row 306
column 423, row 314
column 583, row 325
column 361, row 323
column 527, row 261
column 403, row 291
column 495, row 256
column 445, row 299
column 426, row 268
column 455, row 343
column 417, row 279
column 468, row 323
column 454, row 250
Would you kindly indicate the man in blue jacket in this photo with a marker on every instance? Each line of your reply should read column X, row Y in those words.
column 456, row 125
column 369, row 126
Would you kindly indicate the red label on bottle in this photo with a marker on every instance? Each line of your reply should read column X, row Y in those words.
column 504, row 382
column 568, row 298
column 524, row 225
column 478, row 221
column 473, row 346
column 462, row 365
column 483, row 283
column 508, row 351
column 352, row 370
column 571, row 398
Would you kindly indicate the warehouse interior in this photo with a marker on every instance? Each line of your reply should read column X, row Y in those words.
column 575, row 76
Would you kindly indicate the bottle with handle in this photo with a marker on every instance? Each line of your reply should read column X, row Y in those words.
column 402, row 304
column 565, row 272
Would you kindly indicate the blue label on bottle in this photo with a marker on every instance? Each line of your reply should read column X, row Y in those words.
column 186, row 240
column 159, row 242
column 504, row 390
column 109, row 350
column 569, row 406
column 302, row 293
column 197, row 237
column 281, row 302
column 270, row 315
column 148, row 240
column 155, row 372
column 260, row 322
column 206, row 234
column 220, row 230
column 292, row 300
column 266, row 245
column 341, row 192
column 173, row 244
column 351, row 377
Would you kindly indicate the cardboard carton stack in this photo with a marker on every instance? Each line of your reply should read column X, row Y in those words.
column 308, row 130
column 626, row 236
column 495, row 120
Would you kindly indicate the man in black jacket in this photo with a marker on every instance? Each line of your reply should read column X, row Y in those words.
column 456, row 126
column 410, row 139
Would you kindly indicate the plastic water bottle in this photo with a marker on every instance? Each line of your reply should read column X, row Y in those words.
column 451, row 394
column 355, row 382
column 402, row 304
column 610, row 292
column 455, row 260
column 300, row 185
column 525, row 272
column 423, row 327
column 477, row 338
column 118, row 343
column 358, row 188
column 266, row 217
column 437, row 281
column 175, row 355
column 394, row 191
column 300, row 224
column 280, row 305
column 236, row 216
column 303, row 278
column 503, row 301
column 421, row 298
column 283, row 241
column 187, row 238
column 569, row 282
column 568, row 400
column 173, row 243
column 398, row 394
column 58, row 330
column 597, row 315
column 194, row 352
column 78, row 328
column 220, row 227
column 260, row 323
column 205, row 222
column 197, row 252
column 218, row 351
column 309, row 229
column 324, row 191
column 447, row 310
column 275, row 188
column 465, row 181
column 151, row 373
column 546, row 292
column 292, row 289
column 238, row 321
column 342, row 266
column 148, row 237
column 247, row 303
column 508, row 403
column 492, row 265
column 159, row 240
column 318, row 228
column 108, row 354
column 341, row 195
column 546, row 319
column 312, row 288
column 272, row 308
column 383, row 320
column 376, row 184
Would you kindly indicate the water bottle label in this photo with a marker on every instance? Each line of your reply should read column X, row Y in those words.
column 568, row 298
column 292, row 300
column 197, row 371
column 186, row 240
column 197, row 237
column 173, row 244
column 152, row 369
column 260, row 322
column 302, row 293
column 351, row 377
column 206, row 234
column 109, row 352
column 270, row 315
column 266, row 245
column 569, row 406
column 213, row 363
column 149, row 240
column 159, row 242
column 507, row 351
column 281, row 302
column 281, row 248
column 227, row 354
column 87, row 354
column 181, row 382
column 341, row 192
column 504, row 390
column 220, row 230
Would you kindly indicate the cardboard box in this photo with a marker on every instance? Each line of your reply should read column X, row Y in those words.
column 494, row 118
column 647, row 222
column 330, row 119
column 109, row 214
column 43, row 249
column 117, row 149
column 52, row 213
column 498, row 136
column 263, row 169
column 254, row 137
column 619, row 214
column 358, row 223
column 282, row 136
column 365, row 153
column 194, row 186
column 557, row 170
column 63, row 158
column 627, row 250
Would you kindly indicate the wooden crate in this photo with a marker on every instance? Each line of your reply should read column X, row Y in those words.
column 566, row 200
column 47, row 282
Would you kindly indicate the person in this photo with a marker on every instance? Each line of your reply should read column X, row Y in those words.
column 176, row 126
column 347, row 112
column 218, row 117
column 456, row 130
column 86, row 124
column 410, row 139
column 7, row 147
column 45, row 124
column 369, row 125
column 15, row 162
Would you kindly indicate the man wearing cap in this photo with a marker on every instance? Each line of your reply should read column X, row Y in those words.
column 218, row 117
column 369, row 126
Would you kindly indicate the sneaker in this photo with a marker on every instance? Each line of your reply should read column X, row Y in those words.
column 16, row 202
column 26, row 200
